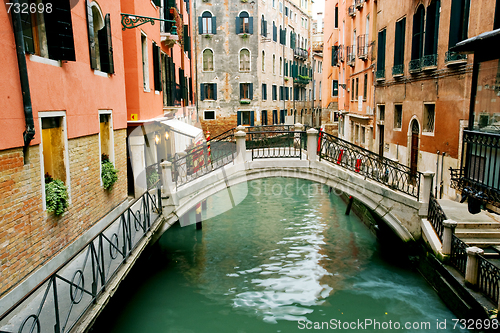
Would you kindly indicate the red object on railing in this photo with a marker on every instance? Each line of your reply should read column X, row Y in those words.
column 340, row 156
column 320, row 136
column 358, row 165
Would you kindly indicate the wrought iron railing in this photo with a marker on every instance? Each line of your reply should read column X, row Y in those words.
column 458, row 256
column 451, row 56
column 359, row 3
column 269, row 128
column 380, row 74
column 301, row 52
column 397, row 176
column 429, row 61
column 488, row 279
column 204, row 158
column 362, row 46
column 352, row 10
column 398, row 70
column 351, row 55
column 62, row 299
column 276, row 144
column 436, row 216
column 153, row 175
column 415, row 65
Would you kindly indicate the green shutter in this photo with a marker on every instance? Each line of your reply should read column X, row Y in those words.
column 238, row 25
column 252, row 118
column 381, row 50
column 250, row 25
column 238, row 118
column 214, row 25
column 106, row 47
column 59, row 32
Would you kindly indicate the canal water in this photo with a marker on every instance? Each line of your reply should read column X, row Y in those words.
column 286, row 259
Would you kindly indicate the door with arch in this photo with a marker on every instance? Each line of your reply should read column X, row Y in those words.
column 415, row 130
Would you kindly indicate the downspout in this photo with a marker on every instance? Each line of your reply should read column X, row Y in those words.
column 195, row 44
column 29, row 132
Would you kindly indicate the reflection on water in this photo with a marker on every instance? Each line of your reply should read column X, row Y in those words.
column 287, row 254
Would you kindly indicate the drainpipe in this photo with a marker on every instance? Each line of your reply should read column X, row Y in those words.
column 441, row 183
column 437, row 174
column 29, row 132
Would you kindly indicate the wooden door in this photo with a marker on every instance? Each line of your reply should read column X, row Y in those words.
column 414, row 147
column 381, row 140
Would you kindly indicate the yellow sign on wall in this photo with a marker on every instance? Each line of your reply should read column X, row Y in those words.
column 133, row 116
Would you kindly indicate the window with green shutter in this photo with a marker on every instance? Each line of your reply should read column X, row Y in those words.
column 459, row 21
column 432, row 28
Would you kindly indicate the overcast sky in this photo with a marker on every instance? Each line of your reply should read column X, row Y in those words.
column 318, row 6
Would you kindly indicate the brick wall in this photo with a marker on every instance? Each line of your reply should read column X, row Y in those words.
column 29, row 236
column 219, row 125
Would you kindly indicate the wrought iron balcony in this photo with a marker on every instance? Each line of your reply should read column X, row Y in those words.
column 454, row 58
column 362, row 47
column 340, row 53
column 398, row 70
column 351, row 55
column 300, row 53
column 359, row 3
column 415, row 65
column 302, row 80
column 429, row 62
column 380, row 74
column 352, row 11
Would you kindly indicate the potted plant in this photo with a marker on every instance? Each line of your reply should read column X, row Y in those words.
column 108, row 172
column 208, row 36
column 244, row 101
column 244, row 36
column 286, row 79
column 56, row 195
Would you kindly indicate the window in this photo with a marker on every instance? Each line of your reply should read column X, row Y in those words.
column 245, row 118
column 246, row 90
column 363, row 133
column 365, row 87
column 380, row 74
column 263, row 27
column 207, row 23
column 263, row 61
column 320, row 90
column 275, row 117
column 275, row 92
column 335, row 88
column 264, row 117
column 264, row 91
column 398, row 115
column 99, row 33
column 244, row 60
column 106, row 138
column 459, row 21
column 431, row 31
column 287, row 93
column 208, row 60
column 282, row 116
column 244, row 24
column 281, row 66
column 352, row 89
column 274, row 3
column 54, row 148
column 156, row 67
column 399, row 47
column 275, row 32
column 429, row 114
column 282, row 93
column 208, row 91
column 209, row 115
column 281, row 7
column 286, row 11
column 357, row 91
column 145, row 62
column 274, row 64
column 418, row 34
column 336, row 19
column 50, row 35
column 335, row 50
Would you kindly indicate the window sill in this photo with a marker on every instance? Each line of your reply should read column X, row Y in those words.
column 147, row 90
column 397, row 129
column 47, row 61
column 428, row 133
column 99, row 73
column 157, row 92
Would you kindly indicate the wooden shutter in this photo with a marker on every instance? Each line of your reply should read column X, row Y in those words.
column 238, row 25
column 27, row 26
column 91, row 37
column 182, row 83
column 432, row 28
column 275, row 33
column 455, row 22
column 381, row 51
column 157, row 3
column 202, row 91
column 200, row 25
column 214, row 25
column 214, row 85
column 250, row 90
column 59, row 32
column 238, row 118
column 156, row 67
column 418, row 22
column 250, row 25
column 252, row 117
column 399, row 47
column 106, row 47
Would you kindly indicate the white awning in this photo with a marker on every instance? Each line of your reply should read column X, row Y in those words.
column 183, row 128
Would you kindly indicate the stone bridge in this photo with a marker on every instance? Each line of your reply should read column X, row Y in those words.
column 396, row 198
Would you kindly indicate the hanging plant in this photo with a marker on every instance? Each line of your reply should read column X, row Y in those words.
column 56, row 196
column 108, row 173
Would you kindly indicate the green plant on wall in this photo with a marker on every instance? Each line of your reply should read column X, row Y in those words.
column 153, row 177
column 108, row 173
column 56, row 196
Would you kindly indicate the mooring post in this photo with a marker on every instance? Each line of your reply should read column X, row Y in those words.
column 448, row 231
column 349, row 205
column 472, row 267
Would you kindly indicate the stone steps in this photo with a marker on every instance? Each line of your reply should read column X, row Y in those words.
column 478, row 225
column 477, row 233
column 481, row 242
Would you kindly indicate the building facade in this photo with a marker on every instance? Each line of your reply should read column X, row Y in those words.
column 254, row 63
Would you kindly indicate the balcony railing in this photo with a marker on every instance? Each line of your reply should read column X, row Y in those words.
column 429, row 61
column 352, row 10
column 359, row 3
column 454, row 57
column 415, row 65
column 351, row 55
column 340, row 53
column 398, row 70
column 380, row 74
column 301, row 53
column 302, row 80
column 362, row 47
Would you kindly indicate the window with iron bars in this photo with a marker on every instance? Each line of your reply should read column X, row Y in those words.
column 429, row 116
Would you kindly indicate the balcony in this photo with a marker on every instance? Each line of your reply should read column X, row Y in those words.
column 340, row 53
column 359, row 3
column 352, row 11
column 351, row 55
column 300, row 53
column 302, row 80
column 415, row 65
column 454, row 58
column 362, row 47
column 398, row 70
column 380, row 75
column 429, row 62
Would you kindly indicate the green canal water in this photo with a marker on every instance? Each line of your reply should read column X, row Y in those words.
column 286, row 259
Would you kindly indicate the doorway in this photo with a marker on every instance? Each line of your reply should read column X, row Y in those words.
column 381, row 140
column 415, row 130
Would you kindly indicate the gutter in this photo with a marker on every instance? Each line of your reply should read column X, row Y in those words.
column 29, row 132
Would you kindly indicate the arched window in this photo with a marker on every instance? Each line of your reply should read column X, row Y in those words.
column 207, row 23
column 244, row 23
column 208, row 60
column 244, row 60
column 274, row 64
column 263, row 61
column 263, row 27
column 281, row 66
column 99, row 32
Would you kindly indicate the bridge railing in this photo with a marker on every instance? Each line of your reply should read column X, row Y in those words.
column 397, row 176
column 436, row 216
column 204, row 158
column 488, row 279
column 276, row 143
column 61, row 300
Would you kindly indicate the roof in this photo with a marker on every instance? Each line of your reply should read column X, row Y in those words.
column 481, row 43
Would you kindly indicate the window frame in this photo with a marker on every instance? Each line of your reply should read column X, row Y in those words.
column 205, row 112
column 425, row 130
column 203, row 60
column 249, row 60
column 396, row 112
